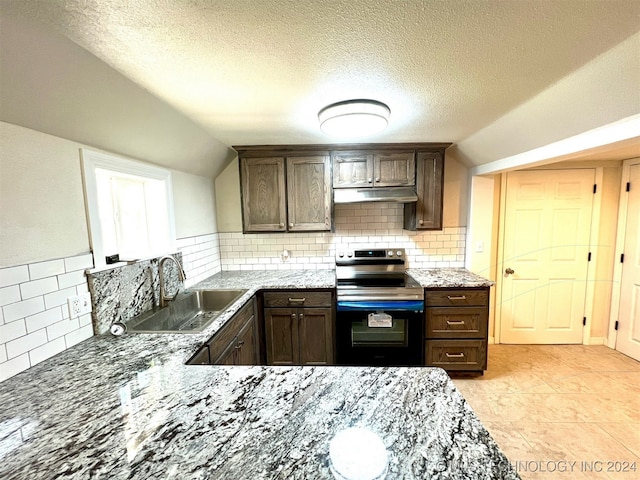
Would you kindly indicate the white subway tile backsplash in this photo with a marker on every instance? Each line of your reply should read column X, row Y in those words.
column 79, row 262
column 12, row 330
column 14, row 366
column 201, row 256
column 24, row 344
column 61, row 328
column 85, row 320
column 38, row 287
column 75, row 337
column 9, row 295
column 55, row 299
column 15, row 311
column 47, row 350
column 34, row 321
column 46, row 269
column 44, row 319
column 72, row 279
column 357, row 226
column 14, row 275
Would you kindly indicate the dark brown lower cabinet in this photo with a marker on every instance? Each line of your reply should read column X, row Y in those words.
column 300, row 333
column 237, row 343
column 456, row 329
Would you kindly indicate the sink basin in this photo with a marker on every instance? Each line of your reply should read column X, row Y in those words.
column 191, row 312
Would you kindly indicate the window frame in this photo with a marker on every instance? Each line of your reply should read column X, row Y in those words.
column 92, row 160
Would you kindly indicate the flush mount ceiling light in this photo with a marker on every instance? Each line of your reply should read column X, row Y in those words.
column 354, row 118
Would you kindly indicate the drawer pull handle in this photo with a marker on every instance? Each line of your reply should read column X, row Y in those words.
column 297, row 300
column 455, row 322
column 454, row 355
column 459, row 297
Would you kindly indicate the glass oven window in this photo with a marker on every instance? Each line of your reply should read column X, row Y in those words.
column 364, row 336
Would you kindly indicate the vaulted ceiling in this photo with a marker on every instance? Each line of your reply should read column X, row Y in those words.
column 258, row 72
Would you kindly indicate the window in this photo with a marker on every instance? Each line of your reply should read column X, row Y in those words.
column 129, row 205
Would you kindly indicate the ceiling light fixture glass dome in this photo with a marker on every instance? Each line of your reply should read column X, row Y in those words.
column 354, row 118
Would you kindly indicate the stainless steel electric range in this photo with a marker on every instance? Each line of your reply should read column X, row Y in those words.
column 380, row 309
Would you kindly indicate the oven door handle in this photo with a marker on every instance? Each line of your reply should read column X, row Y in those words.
column 387, row 306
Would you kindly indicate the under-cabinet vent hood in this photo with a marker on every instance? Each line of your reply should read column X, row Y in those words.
column 389, row 194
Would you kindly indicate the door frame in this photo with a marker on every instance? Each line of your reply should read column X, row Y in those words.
column 621, row 232
column 591, row 267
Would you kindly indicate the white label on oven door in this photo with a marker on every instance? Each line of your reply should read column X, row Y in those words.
column 379, row 320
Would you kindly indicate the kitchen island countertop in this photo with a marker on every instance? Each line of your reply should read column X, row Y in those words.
column 129, row 407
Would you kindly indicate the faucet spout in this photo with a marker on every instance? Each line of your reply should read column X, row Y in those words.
column 164, row 298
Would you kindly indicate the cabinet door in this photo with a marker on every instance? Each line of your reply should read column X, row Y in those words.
column 263, row 195
column 394, row 169
column 228, row 357
column 309, row 193
column 315, row 333
column 281, row 332
column 352, row 169
column 247, row 344
column 426, row 213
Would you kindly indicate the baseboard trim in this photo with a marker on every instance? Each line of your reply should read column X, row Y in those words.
column 491, row 340
column 597, row 341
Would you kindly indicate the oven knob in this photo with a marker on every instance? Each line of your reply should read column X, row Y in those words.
column 390, row 253
column 350, row 254
column 399, row 253
column 341, row 254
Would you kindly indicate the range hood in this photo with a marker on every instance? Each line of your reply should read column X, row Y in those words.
column 388, row 194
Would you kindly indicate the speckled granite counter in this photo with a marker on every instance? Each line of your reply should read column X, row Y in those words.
column 271, row 279
column 448, row 278
column 128, row 407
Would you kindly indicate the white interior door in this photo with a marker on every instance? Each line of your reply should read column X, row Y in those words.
column 546, row 246
column 628, row 337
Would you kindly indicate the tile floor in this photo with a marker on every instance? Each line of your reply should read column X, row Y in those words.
column 548, row 406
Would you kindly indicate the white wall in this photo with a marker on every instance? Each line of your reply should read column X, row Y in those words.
column 43, row 215
column 603, row 91
column 44, row 243
column 195, row 205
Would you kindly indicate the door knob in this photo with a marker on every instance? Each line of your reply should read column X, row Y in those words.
column 508, row 271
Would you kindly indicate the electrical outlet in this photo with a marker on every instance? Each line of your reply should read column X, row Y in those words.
column 79, row 305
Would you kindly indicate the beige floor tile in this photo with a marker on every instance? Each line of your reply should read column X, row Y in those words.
column 549, row 405
column 627, row 434
column 597, row 382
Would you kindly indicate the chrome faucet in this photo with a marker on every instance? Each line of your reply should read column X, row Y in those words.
column 164, row 298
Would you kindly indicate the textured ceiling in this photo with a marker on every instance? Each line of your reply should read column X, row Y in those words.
column 257, row 72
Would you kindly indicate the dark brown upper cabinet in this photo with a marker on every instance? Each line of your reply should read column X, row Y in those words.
column 286, row 194
column 288, row 188
column 357, row 169
column 426, row 213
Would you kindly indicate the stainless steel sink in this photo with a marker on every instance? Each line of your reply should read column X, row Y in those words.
column 191, row 312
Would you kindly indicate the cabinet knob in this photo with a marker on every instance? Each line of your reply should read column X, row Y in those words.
column 421, row 222
column 301, row 316
column 509, row 271
column 281, row 225
column 293, row 317
column 377, row 179
column 370, row 180
column 291, row 225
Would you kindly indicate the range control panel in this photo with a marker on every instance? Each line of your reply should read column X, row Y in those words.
column 376, row 253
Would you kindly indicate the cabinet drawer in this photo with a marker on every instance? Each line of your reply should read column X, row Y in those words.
column 456, row 322
column 300, row 298
column 457, row 297
column 221, row 340
column 456, row 354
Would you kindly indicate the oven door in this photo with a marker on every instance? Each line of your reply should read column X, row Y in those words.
column 379, row 332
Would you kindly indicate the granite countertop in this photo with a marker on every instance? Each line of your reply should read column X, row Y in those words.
column 128, row 407
column 448, row 278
